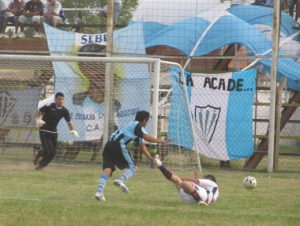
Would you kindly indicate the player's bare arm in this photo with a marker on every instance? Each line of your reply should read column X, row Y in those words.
column 146, row 152
column 37, row 114
column 155, row 140
column 71, row 126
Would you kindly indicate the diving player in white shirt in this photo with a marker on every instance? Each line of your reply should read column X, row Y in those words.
column 202, row 191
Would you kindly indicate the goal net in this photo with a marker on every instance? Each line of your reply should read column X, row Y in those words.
column 102, row 94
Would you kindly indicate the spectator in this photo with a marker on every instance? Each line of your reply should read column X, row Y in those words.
column 291, row 5
column 237, row 3
column 117, row 10
column 32, row 13
column 53, row 13
column 3, row 15
column 269, row 3
column 16, row 7
column 259, row 3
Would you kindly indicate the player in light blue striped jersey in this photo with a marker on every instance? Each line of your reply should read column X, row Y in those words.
column 116, row 154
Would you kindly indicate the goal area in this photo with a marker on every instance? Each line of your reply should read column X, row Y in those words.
column 102, row 94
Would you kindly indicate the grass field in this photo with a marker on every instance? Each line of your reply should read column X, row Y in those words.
column 64, row 195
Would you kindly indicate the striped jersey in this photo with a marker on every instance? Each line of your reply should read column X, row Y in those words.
column 131, row 131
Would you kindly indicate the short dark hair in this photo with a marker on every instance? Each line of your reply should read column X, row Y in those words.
column 59, row 94
column 142, row 115
column 210, row 177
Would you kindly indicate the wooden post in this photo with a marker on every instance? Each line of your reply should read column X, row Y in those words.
column 262, row 148
column 273, row 85
column 278, row 121
column 109, row 76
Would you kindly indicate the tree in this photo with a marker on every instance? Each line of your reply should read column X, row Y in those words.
column 92, row 16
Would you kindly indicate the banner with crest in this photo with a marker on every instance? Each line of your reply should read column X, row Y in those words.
column 17, row 107
column 221, row 106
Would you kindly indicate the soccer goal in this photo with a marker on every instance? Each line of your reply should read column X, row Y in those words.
column 102, row 94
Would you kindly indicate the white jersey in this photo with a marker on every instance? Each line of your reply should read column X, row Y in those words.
column 207, row 190
column 188, row 199
column 53, row 8
column 211, row 188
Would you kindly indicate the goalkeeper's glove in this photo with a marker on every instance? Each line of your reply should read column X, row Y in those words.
column 40, row 122
column 74, row 133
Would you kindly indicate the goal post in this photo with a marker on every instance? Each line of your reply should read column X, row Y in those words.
column 139, row 84
column 182, row 75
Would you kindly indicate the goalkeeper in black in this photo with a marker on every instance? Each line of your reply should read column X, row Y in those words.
column 47, row 118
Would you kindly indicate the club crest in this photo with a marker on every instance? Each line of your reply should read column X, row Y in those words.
column 7, row 103
column 207, row 118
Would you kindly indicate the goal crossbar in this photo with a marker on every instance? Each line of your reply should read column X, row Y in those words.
column 156, row 62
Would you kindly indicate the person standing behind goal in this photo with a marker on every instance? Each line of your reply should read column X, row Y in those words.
column 51, row 115
column 115, row 153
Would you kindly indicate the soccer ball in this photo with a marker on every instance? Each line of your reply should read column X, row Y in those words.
column 249, row 182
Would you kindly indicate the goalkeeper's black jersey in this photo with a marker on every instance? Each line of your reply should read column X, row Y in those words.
column 52, row 115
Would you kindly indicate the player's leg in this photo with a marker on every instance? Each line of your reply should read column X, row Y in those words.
column 48, row 149
column 51, row 143
column 190, row 193
column 125, row 162
column 107, row 172
column 36, row 21
column 189, row 188
column 43, row 150
column 108, row 168
column 168, row 173
column 38, row 152
column 54, row 144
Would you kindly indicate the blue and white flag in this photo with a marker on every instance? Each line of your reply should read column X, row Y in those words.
column 222, row 107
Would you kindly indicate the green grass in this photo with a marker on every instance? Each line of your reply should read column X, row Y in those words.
column 64, row 195
column 289, row 149
column 286, row 163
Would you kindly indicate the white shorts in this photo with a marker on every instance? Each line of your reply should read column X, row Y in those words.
column 188, row 199
column 57, row 19
column 29, row 20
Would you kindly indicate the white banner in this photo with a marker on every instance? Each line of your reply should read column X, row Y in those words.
column 17, row 107
column 83, row 82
